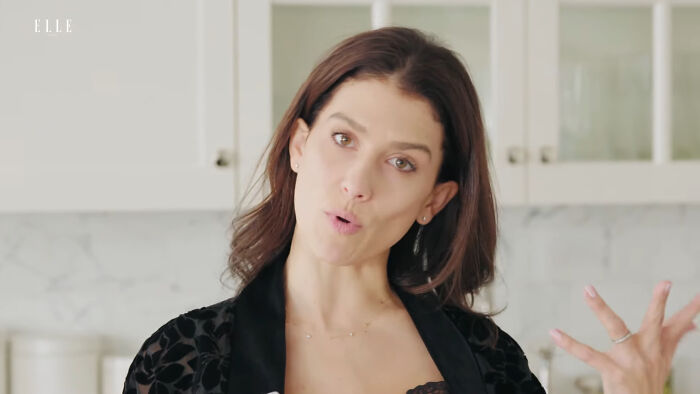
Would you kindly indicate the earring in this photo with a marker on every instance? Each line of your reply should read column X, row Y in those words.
column 416, row 243
column 424, row 253
column 296, row 166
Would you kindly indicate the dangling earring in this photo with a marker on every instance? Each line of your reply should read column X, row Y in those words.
column 424, row 255
column 416, row 244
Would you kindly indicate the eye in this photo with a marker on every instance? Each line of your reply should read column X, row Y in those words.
column 411, row 166
column 345, row 136
column 404, row 162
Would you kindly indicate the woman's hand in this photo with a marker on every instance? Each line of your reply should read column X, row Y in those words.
column 641, row 363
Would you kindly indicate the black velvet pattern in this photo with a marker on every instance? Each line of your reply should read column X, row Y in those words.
column 241, row 340
column 190, row 354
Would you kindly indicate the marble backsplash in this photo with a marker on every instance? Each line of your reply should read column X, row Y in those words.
column 122, row 275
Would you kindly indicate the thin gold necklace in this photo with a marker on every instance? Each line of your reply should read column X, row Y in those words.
column 350, row 334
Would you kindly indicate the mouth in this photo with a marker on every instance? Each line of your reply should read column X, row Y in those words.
column 344, row 217
column 341, row 224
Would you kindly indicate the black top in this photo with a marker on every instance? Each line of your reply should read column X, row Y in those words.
column 237, row 346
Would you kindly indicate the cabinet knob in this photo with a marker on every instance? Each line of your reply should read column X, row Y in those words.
column 547, row 154
column 516, row 155
column 224, row 158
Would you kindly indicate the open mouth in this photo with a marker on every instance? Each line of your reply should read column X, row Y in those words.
column 342, row 225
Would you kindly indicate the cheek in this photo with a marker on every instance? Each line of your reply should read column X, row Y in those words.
column 399, row 211
column 393, row 227
column 311, row 183
column 327, row 156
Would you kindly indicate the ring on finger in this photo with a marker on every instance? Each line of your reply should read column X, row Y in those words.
column 623, row 338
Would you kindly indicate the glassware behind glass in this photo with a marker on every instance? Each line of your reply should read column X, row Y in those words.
column 605, row 83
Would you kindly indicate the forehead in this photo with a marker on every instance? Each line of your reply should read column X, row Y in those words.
column 385, row 111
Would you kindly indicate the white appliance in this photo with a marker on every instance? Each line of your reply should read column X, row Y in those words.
column 54, row 364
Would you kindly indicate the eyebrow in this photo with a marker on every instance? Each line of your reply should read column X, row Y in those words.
column 399, row 144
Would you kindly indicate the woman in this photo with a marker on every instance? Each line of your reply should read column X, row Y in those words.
column 360, row 267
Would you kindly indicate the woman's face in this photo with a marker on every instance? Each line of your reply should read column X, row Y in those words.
column 357, row 158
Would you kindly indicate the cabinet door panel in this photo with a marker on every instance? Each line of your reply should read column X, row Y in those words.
column 488, row 38
column 119, row 102
column 603, row 104
column 605, row 83
column 466, row 30
column 487, row 34
column 301, row 36
column 685, row 47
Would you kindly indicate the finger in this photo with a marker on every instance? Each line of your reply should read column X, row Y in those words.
column 654, row 317
column 669, row 348
column 677, row 324
column 613, row 324
column 599, row 361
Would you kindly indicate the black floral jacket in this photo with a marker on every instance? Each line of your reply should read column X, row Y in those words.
column 238, row 346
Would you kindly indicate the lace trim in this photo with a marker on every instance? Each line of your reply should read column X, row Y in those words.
column 430, row 388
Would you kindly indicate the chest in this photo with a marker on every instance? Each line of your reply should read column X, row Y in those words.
column 388, row 358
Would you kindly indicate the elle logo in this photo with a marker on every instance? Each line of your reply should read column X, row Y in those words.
column 52, row 26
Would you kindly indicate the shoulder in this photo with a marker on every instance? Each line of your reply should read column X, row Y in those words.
column 187, row 353
column 503, row 363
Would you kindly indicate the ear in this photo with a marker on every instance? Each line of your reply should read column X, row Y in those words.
column 297, row 141
column 441, row 195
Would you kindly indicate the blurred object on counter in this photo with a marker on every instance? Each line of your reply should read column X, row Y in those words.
column 114, row 370
column 546, row 353
column 52, row 364
column 668, row 386
column 589, row 384
column 592, row 384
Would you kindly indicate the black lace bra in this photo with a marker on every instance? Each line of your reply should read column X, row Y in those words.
column 430, row 388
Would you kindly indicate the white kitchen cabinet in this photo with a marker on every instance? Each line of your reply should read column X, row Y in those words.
column 584, row 101
column 486, row 35
column 613, row 101
column 129, row 110
column 281, row 40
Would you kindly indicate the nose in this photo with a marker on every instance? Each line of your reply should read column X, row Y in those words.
column 356, row 186
column 354, row 195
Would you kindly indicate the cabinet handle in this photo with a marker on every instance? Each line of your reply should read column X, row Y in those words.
column 547, row 154
column 516, row 155
column 224, row 158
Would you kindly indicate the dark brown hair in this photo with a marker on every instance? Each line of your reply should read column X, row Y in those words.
column 460, row 241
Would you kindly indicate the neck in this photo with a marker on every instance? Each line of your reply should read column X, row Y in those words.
column 329, row 298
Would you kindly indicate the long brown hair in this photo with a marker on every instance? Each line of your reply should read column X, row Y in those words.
column 460, row 241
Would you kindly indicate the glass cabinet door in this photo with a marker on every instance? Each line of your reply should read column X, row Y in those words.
column 301, row 36
column 613, row 101
column 605, row 83
column 280, row 41
column 487, row 36
column 463, row 28
column 685, row 50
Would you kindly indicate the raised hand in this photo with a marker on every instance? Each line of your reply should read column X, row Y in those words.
column 638, row 363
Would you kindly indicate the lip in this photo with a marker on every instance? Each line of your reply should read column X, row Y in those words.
column 342, row 227
column 345, row 215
